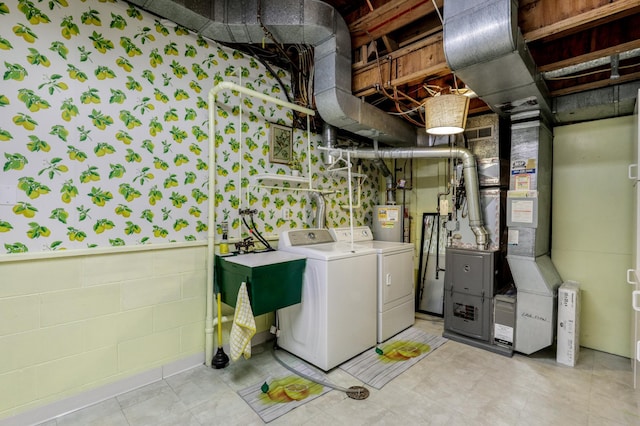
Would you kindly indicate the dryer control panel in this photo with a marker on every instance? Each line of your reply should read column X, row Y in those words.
column 360, row 233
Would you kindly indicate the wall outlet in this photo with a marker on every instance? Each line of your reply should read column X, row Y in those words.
column 286, row 214
column 8, row 195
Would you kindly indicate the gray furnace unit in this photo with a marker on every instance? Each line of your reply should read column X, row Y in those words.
column 470, row 284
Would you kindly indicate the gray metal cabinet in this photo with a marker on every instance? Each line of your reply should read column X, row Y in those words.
column 469, row 284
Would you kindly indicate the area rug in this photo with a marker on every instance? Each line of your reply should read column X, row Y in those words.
column 282, row 392
column 378, row 366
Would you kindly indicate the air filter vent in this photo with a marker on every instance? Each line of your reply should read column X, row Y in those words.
column 466, row 312
column 479, row 133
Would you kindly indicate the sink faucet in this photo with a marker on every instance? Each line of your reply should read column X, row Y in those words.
column 245, row 245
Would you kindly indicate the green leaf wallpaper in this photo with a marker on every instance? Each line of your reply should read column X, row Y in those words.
column 104, row 133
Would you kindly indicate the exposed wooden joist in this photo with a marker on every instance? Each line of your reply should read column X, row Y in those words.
column 388, row 18
column 408, row 65
column 559, row 34
column 540, row 19
column 598, row 42
column 590, row 56
column 389, row 43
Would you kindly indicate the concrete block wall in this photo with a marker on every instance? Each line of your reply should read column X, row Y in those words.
column 69, row 324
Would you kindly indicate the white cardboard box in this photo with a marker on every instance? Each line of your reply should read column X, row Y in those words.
column 568, row 340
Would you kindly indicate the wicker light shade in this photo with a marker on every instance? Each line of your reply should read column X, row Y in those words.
column 446, row 114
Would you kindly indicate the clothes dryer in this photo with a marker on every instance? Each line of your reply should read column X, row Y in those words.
column 395, row 280
column 336, row 318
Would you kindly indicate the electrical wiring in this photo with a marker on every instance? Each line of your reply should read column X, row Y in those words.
column 268, row 67
column 394, row 98
column 300, row 84
column 269, row 35
column 305, row 65
column 408, row 111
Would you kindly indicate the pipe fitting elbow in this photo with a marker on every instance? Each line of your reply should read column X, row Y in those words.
column 482, row 237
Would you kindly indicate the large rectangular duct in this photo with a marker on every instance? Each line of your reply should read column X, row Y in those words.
column 485, row 48
column 310, row 22
column 533, row 273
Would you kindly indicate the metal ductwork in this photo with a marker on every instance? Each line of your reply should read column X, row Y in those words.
column 318, row 24
column 310, row 22
column 534, row 274
column 321, row 209
column 470, row 173
column 388, row 177
column 596, row 104
column 485, row 48
column 330, row 140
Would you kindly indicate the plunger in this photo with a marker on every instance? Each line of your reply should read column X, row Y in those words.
column 220, row 359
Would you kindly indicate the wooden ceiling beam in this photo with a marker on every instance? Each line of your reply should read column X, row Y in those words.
column 598, row 42
column 389, row 43
column 407, row 65
column 548, row 19
column 391, row 16
column 576, row 60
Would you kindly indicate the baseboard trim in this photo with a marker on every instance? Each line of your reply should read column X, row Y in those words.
column 93, row 396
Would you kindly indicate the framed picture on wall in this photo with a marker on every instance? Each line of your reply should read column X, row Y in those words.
column 280, row 143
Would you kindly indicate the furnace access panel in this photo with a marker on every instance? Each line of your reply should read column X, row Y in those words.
column 469, row 284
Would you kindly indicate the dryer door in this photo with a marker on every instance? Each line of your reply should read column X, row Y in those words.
column 395, row 277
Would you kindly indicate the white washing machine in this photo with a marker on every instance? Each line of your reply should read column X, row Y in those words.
column 336, row 318
column 395, row 280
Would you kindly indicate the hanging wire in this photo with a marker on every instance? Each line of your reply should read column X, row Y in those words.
column 402, row 110
column 300, row 72
column 418, row 108
column 429, row 88
column 435, row 6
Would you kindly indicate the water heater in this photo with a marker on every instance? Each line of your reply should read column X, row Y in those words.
column 388, row 223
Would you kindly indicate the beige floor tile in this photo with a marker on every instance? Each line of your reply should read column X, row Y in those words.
column 457, row 384
column 106, row 413
column 163, row 408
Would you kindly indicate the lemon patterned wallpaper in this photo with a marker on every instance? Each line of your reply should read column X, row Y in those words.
column 104, row 133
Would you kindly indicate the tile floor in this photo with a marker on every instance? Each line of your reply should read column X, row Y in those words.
column 455, row 385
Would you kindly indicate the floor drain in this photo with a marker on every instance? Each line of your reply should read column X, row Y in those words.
column 358, row 392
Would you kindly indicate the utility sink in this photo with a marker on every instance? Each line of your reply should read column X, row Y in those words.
column 274, row 279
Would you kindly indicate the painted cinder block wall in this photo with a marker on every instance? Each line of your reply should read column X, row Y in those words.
column 592, row 219
column 74, row 323
column 104, row 147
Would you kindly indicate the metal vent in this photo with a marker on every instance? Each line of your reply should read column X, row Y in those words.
column 466, row 312
column 479, row 133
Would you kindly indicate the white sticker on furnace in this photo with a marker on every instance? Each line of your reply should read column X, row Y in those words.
column 522, row 211
column 503, row 332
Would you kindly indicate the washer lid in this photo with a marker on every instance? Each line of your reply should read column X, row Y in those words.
column 331, row 251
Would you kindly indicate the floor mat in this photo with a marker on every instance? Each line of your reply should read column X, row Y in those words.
column 378, row 366
column 280, row 393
